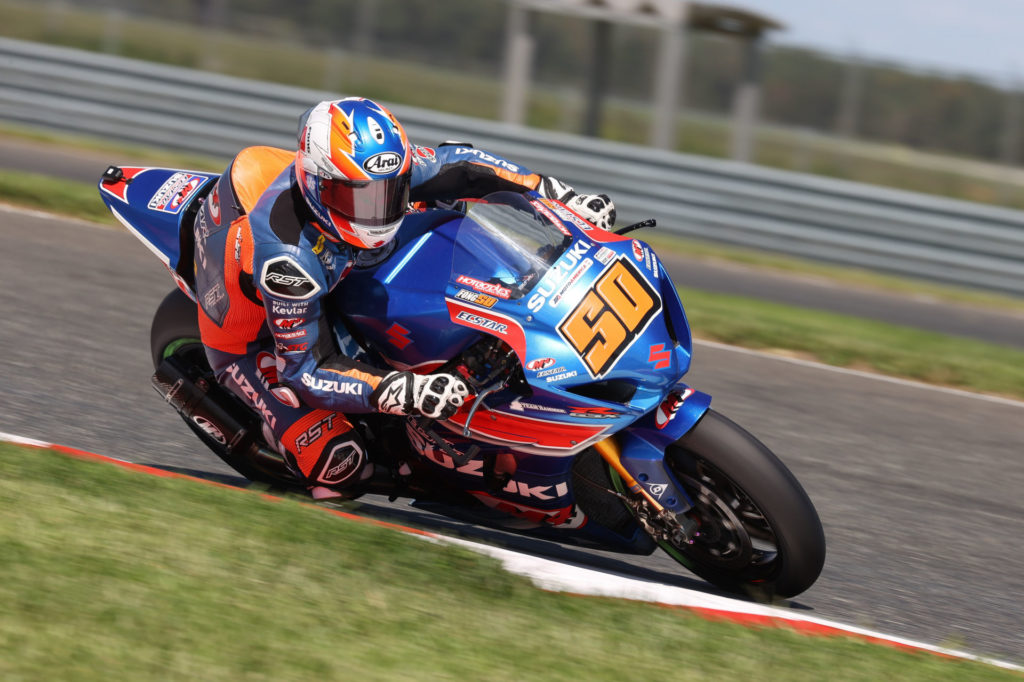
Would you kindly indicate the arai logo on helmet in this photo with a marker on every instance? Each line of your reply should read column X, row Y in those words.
column 383, row 163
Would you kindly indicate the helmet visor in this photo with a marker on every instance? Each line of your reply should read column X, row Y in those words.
column 372, row 203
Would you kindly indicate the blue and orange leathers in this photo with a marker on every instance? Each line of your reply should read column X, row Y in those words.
column 263, row 266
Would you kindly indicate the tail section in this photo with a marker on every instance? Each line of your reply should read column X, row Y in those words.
column 158, row 205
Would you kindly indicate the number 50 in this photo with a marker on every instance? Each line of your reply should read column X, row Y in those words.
column 610, row 317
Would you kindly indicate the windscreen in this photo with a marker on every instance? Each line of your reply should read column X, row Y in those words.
column 506, row 244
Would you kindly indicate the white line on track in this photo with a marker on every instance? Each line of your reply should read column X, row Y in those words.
column 20, row 440
column 556, row 576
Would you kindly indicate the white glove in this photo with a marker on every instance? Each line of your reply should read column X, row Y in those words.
column 437, row 396
column 597, row 209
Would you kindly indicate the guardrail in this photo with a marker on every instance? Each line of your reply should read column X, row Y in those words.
column 944, row 240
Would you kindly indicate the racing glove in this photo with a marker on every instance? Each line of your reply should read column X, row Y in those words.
column 437, row 396
column 595, row 208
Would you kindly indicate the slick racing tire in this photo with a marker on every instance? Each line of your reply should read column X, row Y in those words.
column 758, row 531
column 175, row 325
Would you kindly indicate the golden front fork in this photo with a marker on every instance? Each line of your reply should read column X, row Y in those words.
column 610, row 451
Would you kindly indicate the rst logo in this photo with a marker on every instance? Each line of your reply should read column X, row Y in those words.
column 611, row 316
column 286, row 280
column 314, row 432
column 288, row 322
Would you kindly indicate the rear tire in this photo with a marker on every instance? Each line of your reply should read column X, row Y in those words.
column 759, row 531
column 175, row 331
column 175, row 325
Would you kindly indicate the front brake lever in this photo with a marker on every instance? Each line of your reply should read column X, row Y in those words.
column 476, row 404
column 459, row 458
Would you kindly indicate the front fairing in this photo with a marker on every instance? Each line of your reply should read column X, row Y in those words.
column 603, row 332
column 592, row 317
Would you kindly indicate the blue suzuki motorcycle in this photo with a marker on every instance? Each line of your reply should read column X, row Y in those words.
column 575, row 344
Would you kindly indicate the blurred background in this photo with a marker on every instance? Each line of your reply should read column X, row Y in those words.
column 772, row 139
column 878, row 92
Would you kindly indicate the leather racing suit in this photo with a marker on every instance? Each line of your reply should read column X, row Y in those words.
column 263, row 267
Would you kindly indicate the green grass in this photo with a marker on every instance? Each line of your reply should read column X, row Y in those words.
column 116, row 150
column 853, row 342
column 111, row 574
column 77, row 199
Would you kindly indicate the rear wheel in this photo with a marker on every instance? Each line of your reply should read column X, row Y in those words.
column 175, row 334
column 758, row 531
column 175, row 326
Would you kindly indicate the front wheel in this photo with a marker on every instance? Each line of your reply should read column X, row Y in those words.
column 757, row 529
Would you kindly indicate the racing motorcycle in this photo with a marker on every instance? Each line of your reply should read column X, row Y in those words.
column 574, row 342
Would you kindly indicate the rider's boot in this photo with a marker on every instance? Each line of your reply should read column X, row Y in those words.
column 376, row 479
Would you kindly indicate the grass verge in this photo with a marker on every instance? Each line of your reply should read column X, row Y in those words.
column 857, row 343
column 110, row 574
column 75, row 199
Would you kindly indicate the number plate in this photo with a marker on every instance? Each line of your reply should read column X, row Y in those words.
column 613, row 313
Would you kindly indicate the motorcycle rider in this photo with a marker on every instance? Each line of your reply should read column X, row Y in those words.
column 280, row 229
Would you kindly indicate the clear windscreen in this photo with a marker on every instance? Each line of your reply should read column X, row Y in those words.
column 506, row 244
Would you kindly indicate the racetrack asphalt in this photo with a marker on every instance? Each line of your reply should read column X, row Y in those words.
column 918, row 488
column 813, row 292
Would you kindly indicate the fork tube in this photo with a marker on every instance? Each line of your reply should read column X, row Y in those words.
column 609, row 450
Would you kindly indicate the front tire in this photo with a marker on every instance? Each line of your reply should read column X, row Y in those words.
column 758, row 530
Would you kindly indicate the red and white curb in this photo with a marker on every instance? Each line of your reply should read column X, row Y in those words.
column 559, row 577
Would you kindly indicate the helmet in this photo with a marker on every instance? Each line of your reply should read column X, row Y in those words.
column 353, row 168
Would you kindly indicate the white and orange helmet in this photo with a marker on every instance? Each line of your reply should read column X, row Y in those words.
column 353, row 168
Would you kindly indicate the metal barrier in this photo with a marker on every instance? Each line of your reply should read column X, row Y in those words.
column 944, row 240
